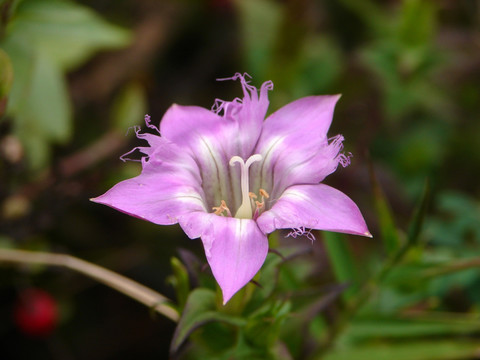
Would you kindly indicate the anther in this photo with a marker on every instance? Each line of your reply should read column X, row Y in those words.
column 220, row 209
column 264, row 193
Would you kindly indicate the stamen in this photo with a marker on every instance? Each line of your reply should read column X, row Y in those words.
column 245, row 209
column 264, row 193
column 220, row 209
column 260, row 205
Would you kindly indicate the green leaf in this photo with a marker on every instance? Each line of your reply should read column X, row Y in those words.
column 314, row 69
column 264, row 325
column 390, row 238
column 180, row 281
column 398, row 328
column 38, row 100
column 412, row 350
column 369, row 12
column 342, row 261
column 67, row 32
column 47, row 108
column 42, row 40
column 260, row 22
column 419, row 216
column 457, row 222
column 129, row 107
column 200, row 309
column 417, row 22
column 407, row 277
column 43, row 113
column 421, row 149
column 22, row 59
column 216, row 344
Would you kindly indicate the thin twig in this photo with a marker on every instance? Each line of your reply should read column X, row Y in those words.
column 446, row 269
column 131, row 288
column 150, row 37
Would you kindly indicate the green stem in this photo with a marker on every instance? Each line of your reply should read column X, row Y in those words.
column 131, row 288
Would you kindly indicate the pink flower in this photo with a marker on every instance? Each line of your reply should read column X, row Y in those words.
column 230, row 177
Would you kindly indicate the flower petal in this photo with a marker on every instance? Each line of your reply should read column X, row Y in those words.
column 304, row 120
column 248, row 113
column 236, row 249
column 196, row 223
column 209, row 139
column 318, row 207
column 168, row 187
column 183, row 125
column 294, row 144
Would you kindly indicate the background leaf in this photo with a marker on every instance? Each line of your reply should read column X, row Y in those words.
column 129, row 107
column 199, row 310
column 414, row 350
column 68, row 33
column 44, row 39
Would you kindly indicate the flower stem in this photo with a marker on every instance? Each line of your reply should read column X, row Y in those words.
column 128, row 287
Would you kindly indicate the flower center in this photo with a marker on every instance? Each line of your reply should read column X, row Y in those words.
column 245, row 209
column 252, row 205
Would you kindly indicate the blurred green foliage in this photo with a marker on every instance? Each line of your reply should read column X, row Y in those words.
column 409, row 72
column 44, row 39
column 6, row 76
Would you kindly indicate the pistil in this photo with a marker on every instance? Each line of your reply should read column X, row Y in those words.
column 245, row 209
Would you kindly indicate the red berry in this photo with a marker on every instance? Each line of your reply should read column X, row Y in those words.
column 35, row 312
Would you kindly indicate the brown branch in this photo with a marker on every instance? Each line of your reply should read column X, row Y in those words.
column 133, row 289
column 98, row 81
column 103, row 148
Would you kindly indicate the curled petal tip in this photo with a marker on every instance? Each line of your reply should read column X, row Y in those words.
column 368, row 234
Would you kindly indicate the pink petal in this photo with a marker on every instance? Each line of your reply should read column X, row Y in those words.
column 295, row 146
column 318, row 207
column 209, row 139
column 304, row 120
column 249, row 114
column 235, row 249
column 187, row 125
column 168, row 187
column 196, row 223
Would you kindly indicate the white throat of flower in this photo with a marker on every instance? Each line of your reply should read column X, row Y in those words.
column 245, row 209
